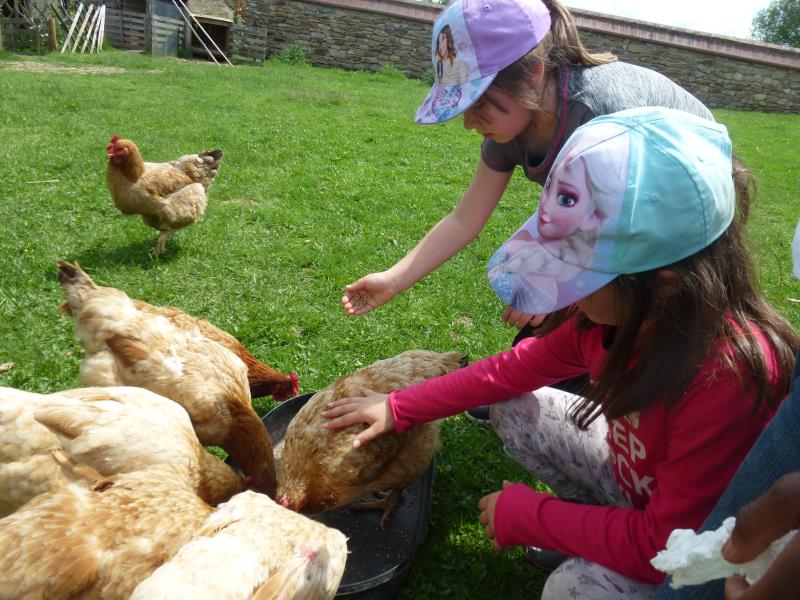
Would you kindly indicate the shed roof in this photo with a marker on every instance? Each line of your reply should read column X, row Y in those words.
column 211, row 9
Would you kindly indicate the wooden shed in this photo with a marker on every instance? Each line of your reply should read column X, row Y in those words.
column 216, row 18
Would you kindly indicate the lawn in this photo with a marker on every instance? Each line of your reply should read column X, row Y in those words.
column 325, row 178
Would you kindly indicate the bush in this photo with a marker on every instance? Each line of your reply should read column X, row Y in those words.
column 389, row 70
column 293, row 55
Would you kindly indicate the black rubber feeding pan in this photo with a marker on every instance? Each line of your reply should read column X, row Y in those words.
column 379, row 559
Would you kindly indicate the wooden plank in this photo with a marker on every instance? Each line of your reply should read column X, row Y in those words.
column 51, row 32
column 90, row 31
column 15, row 20
column 72, row 27
column 125, row 30
column 78, row 35
column 97, row 40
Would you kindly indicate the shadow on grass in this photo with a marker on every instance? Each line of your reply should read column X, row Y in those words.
column 456, row 559
column 138, row 253
column 472, row 570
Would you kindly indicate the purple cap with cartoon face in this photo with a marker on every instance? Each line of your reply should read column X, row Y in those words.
column 472, row 41
column 629, row 192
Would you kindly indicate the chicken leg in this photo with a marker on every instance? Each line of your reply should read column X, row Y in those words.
column 386, row 501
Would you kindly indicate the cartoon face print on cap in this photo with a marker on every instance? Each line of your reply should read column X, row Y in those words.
column 567, row 204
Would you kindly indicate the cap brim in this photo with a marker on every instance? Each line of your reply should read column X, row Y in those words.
column 530, row 278
column 446, row 102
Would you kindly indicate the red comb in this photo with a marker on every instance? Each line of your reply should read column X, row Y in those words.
column 295, row 383
column 308, row 553
column 112, row 144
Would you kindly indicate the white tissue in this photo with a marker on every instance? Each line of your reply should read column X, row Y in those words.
column 691, row 558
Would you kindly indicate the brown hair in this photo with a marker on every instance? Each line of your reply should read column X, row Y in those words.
column 561, row 46
column 710, row 316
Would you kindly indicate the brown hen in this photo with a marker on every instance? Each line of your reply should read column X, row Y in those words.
column 263, row 379
column 168, row 196
column 113, row 430
column 319, row 468
column 128, row 346
column 99, row 540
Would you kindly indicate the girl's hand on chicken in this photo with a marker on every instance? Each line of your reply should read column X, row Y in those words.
column 487, row 505
column 372, row 408
column 369, row 292
column 519, row 319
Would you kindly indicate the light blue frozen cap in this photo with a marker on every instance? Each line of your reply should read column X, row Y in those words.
column 628, row 192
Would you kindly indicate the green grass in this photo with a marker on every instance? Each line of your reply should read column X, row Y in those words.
column 325, row 178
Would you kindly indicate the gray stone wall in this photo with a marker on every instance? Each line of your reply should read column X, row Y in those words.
column 366, row 34
column 350, row 39
column 718, row 81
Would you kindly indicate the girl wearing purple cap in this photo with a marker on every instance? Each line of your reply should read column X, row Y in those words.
column 687, row 362
column 530, row 84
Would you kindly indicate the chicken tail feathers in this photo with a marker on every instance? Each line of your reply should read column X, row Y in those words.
column 76, row 285
column 215, row 155
column 72, row 273
column 200, row 168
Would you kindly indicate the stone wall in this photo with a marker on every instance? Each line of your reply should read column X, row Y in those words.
column 366, row 34
column 718, row 81
column 349, row 38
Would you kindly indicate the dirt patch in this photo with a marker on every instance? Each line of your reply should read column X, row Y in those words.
column 29, row 65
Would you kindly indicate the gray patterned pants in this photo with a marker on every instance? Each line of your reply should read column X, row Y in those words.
column 537, row 433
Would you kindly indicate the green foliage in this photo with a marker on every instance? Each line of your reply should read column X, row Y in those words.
column 427, row 76
column 325, row 178
column 293, row 55
column 779, row 23
column 389, row 70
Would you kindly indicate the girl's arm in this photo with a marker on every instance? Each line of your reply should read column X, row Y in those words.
column 442, row 242
column 709, row 432
column 531, row 364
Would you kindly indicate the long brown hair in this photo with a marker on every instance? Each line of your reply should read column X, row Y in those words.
column 711, row 315
column 561, row 46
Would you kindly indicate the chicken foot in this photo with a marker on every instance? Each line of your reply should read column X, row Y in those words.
column 387, row 501
column 161, row 244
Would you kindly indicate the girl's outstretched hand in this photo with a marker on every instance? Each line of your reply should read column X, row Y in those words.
column 487, row 505
column 371, row 291
column 372, row 408
column 519, row 319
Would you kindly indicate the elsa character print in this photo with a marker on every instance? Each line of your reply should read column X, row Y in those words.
column 559, row 241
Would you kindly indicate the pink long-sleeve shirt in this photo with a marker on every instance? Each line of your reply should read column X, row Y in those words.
column 672, row 463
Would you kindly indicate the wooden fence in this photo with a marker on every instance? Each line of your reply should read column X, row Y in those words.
column 168, row 35
column 23, row 28
column 125, row 29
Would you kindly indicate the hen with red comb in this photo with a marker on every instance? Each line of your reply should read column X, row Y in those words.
column 169, row 195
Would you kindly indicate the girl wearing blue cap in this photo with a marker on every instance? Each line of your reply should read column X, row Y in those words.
column 686, row 359
column 529, row 83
